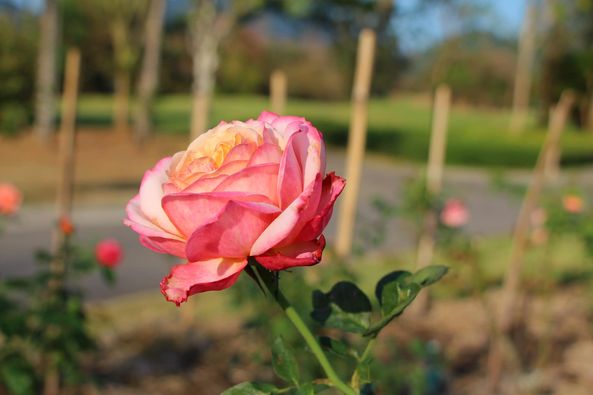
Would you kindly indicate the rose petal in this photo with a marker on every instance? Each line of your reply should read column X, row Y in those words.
column 163, row 245
column 151, row 192
column 189, row 211
column 195, row 277
column 266, row 153
column 241, row 152
column 290, row 222
column 232, row 233
column 260, row 180
column 142, row 225
column 332, row 187
column 290, row 175
column 305, row 253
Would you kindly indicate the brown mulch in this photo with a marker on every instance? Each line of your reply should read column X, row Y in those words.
column 106, row 162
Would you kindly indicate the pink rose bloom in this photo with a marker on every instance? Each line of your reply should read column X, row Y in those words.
column 454, row 214
column 242, row 189
column 108, row 253
column 572, row 204
column 10, row 199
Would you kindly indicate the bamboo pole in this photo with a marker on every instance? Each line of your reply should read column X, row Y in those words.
column 278, row 91
column 356, row 141
column 558, row 117
column 434, row 183
column 67, row 133
column 509, row 300
column 51, row 385
column 523, row 72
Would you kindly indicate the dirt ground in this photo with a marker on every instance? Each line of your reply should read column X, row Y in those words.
column 184, row 354
column 106, row 163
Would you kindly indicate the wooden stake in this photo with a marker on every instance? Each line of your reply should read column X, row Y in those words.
column 65, row 191
column 67, row 133
column 434, row 183
column 356, row 141
column 524, row 67
column 278, row 92
column 509, row 300
column 557, row 122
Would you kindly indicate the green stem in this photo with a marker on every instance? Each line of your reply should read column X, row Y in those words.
column 368, row 349
column 300, row 325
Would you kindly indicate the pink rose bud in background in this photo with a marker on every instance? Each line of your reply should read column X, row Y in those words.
column 454, row 213
column 10, row 199
column 108, row 253
column 572, row 203
column 242, row 189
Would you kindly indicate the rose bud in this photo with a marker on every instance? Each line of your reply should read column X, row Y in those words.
column 572, row 204
column 454, row 214
column 108, row 253
column 66, row 226
column 10, row 199
column 242, row 189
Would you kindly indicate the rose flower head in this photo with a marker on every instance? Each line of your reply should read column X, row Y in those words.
column 10, row 199
column 108, row 253
column 573, row 204
column 454, row 213
column 242, row 189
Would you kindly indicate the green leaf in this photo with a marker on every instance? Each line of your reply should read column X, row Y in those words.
column 349, row 322
column 337, row 347
column 429, row 275
column 284, row 362
column 344, row 307
column 349, row 297
column 305, row 389
column 367, row 389
column 396, row 276
column 18, row 378
column 251, row 388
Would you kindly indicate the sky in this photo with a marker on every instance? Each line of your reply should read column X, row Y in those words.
column 418, row 31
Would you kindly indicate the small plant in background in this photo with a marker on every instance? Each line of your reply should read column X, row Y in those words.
column 43, row 329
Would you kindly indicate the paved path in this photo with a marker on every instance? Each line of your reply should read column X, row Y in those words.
column 493, row 212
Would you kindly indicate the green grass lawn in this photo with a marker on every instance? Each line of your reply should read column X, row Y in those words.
column 399, row 127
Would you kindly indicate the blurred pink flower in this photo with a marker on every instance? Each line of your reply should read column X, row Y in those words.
column 454, row 213
column 572, row 203
column 108, row 253
column 10, row 199
column 242, row 189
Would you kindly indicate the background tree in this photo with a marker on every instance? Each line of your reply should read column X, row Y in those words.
column 125, row 17
column 45, row 97
column 209, row 23
column 149, row 71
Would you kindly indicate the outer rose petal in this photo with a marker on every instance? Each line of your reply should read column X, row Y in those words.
column 232, row 233
column 290, row 174
column 290, row 222
column 332, row 187
column 194, row 277
column 305, row 253
column 151, row 192
column 163, row 245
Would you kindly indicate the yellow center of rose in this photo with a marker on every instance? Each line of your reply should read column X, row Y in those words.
column 207, row 157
